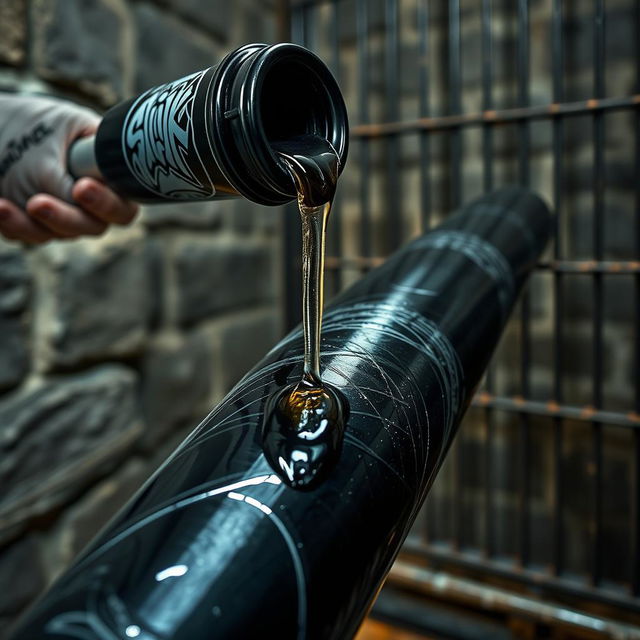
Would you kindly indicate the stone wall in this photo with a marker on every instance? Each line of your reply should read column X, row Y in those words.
column 114, row 348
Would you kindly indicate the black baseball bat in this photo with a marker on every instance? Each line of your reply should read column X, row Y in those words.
column 215, row 545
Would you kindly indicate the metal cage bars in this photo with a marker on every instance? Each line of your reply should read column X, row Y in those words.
column 453, row 123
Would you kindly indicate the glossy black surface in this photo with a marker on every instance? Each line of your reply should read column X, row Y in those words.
column 303, row 432
column 216, row 546
column 315, row 166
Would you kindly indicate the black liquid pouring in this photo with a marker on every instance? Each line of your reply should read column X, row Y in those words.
column 305, row 422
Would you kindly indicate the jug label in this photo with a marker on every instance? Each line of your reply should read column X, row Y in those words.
column 158, row 141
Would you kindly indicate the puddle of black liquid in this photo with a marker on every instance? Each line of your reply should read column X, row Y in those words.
column 304, row 431
column 305, row 422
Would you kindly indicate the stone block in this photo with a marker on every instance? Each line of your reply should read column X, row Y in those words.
column 618, row 298
column 13, row 31
column 472, row 529
column 540, row 526
column 505, row 472
column 51, row 427
column 244, row 340
column 154, row 253
column 253, row 21
column 618, row 174
column 22, row 575
column 471, row 475
column 619, row 127
column 270, row 219
column 167, row 49
column 15, row 281
column 620, row 35
column 95, row 299
column 15, row 287
column 576, row 356
column 617, row 223
column 99, row 505
column 218, row 274
column 176, row 383
column 540, row 292
column 244, row 216
column 348, row 26
column 202, row 14
column 616, row 565
column 505, row 524
column 84, row 44
column 407, row 76
column 190, row 215
column 14, row 350
column 578, row 219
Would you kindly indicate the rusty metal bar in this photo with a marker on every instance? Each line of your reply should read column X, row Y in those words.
column 422, row 24
column 335, row 226
column 422, row 19
column 558, row 305
column 298, row 28
column 393, row 224
column 486, row 597
column 598, row 289
column 487, row 181
column 585, row 267
column 305, row 3
column 487, row 95
column 283, row 20
column 423, row 53
column 635, row 485
column 525, row 312
column 362, row 45
column 455, row 103
column 496, row 117
column 441, row 557
column 553, row 410
column 454, row 78
column 309, row 23
column 523, row 56
column 292, row 242
column 609, row 267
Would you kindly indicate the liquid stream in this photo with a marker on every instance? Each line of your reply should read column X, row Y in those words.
column 305, row 422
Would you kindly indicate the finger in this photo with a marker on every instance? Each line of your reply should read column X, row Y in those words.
column 99, row 200
column 15, row 224
column 65, row 220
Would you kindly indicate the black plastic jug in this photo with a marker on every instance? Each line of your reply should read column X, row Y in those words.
column 210, row 134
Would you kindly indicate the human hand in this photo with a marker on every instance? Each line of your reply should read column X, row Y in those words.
column 39, row 200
